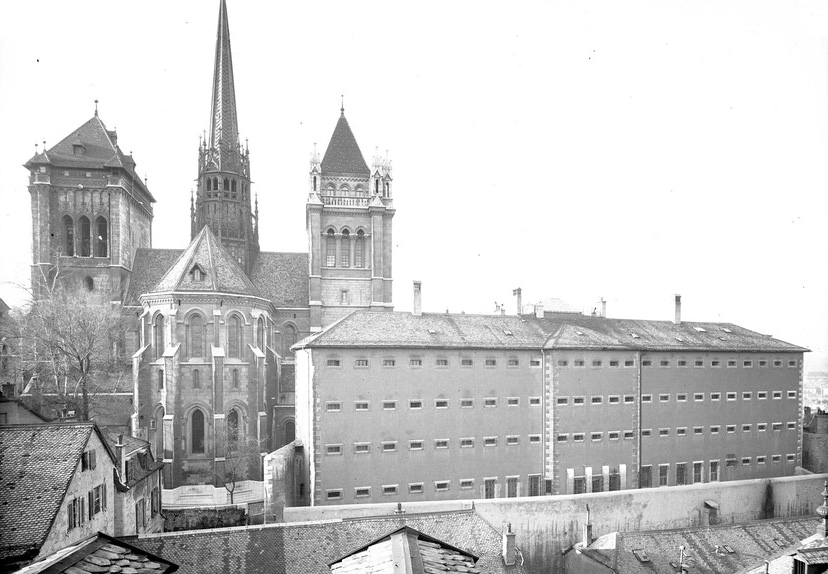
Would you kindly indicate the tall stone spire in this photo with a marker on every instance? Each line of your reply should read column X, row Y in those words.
column 223, row 199
column 224, row 129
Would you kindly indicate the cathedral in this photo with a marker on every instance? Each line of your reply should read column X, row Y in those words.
column 213, row 324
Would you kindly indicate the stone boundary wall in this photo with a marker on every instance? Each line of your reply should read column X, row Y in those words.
column 548, row 525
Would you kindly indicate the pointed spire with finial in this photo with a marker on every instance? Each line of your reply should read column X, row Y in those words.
column 96, row 108
column 224, row 128
column 342, row 105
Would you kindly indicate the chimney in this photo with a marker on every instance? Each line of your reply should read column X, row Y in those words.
column 119, row 454
column 509, row 548
column 539, row 310
column 587, row 534
column 519, row 293
column 603, row 307
column 677, row 320
column 418, row 294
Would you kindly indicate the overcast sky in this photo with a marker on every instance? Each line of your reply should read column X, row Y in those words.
column 630, row 150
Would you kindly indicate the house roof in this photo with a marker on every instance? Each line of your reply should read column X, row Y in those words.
column 555, row 331
column 148, row 267
column 99, row 150
column 139, row 467
column 282, row 278
column 99, row 553
column 37, row 462
column 709, row 550
column 343, row 156
column 308, row 548
column 219, row 271
column 406, row 551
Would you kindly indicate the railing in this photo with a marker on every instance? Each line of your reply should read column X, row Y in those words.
column 345, row 201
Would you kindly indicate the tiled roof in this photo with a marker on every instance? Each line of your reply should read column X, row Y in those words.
column 99, row 151
column 100, row 553
column 308, row 548
column 220, row 271
column 282, row 278
column 136, row 471
column 406, row 551
column 343, row 156
column 556, row 331
column 707, row 547
column 148, row 267
column 37, row 463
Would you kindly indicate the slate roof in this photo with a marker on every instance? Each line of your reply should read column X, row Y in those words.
column 136, row 472
column 100, row 553
column 556, row 331
column 37, row 462
column 148, row 267
column 308, row 548
column 406, row 551
column 282, row 278
column 343, row 156
column 706, row 546
column 221, row 272
column 100, row 150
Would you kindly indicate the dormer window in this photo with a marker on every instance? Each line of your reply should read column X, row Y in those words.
column 198, row 273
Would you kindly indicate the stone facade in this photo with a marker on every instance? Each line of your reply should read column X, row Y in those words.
column 815, row 443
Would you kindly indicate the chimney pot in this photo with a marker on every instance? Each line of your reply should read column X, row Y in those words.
column 509, row 547
column 603, row 307
column 418, row 291
column 677, row 320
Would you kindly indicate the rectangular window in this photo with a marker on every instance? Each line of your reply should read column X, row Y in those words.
column 681, row 363
column 747, row 395
column 614, row 399
column 490, row 441
column 596, row 436
column 362, row 447
column 646, row 398
column 334, row 494
column 681, row 431
column 512, row 440
column 761, row 395
column 746, row 428
column 628, row 435
column 597, row 483
column 361, row 406
column 664, row 397
column 534, row 362
column 466, row 483
column 490, row 363
column 513, row 363
column 613, row 435
column 715, row 396
column 697, row 472
column 746, row 460
column 777, row 363
column 415, row 362
column 761, row 459
column 663, row 471
column 441, row 485
column 763, row 363
column 776, row 426
column 389, row 446
column 645, row 479
column 578, row 363
column 388, row 363
column 415, row 445
column 698, row 397
column 715, row 363
column 442, row 362
column 714, row 429
column 333, row 363
column 562, row 363
column 681, row 473
column 578, row 437
column 761, row 427
column 534, row 439
column 389, row 405
column 415, row 488
column 776, row 458
column 534, row 401
column 579, row 485
column 663, row 432
column 88, row 460
column 747, row 364
column 698, row 364
column 490, row 402
column 415, row 404
column 613, row 363
column 562, row 400
column 596, row 363
column 714, row 471
column 333, row 449
column 441, row 443
column 777, row 395
column 629, row 399
column 731, row 396
column 629, row 364
column 467, row 442
column 791, row 425
column 466, row 403
column 333, row 407
column 534, row 485
column 681, row 397
column 563, row 437
column 731, row 364
column 513, row 402
column 466, row 363
column 389, row 489
column 646, row 432
column 441, row 403
column 646, row 363
column 792, row 394
column 790, row 457
column 698, row 430
column 361, row 363
column 664, row 363
column 362, row 492
column 597, row 400
column 489, row 487
column 731, row 428
column 791, row 364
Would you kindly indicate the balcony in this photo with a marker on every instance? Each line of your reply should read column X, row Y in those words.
column 345, row 201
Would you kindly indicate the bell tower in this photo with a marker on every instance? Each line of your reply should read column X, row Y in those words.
column 349, row 223
column 223, row 199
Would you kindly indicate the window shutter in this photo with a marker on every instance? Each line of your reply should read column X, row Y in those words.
column 69, row 516
column 103, row 496
column 92, row 459
column 91, row 497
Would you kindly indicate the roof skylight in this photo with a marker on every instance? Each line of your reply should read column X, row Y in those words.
column 700, row 329
column 641, row 555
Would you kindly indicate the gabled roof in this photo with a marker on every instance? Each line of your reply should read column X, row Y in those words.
column 222, row 274
column 98, row 553
column 343, row 156
column 99, row 150
column 37, row 463
column 308, row 548
column 406, row 551
column 555, row 331
column 282, row 278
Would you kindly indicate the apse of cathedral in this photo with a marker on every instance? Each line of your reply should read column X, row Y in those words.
column 213, row 324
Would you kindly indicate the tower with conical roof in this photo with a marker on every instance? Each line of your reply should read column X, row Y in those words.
column 348, row 218
column 223, row 199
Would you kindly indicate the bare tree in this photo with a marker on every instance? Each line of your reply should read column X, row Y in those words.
column 242, row 460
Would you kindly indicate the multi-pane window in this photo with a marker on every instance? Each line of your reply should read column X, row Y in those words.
column 715, row 396
column 698, row 397
column 415, row 488
column 512, row 363
column 534, row 439
column 389, row 446
column 466, row 403
column 613, row 435
column 596, row 436
column 562, row 437
column 761, row 395
column 333, row 407
column 792, row 394
column 361, row 406
column 345, row 249
column 663, row 470
column 359, row 249
column 75, row 513
column 714, row 429
column 511, row 487
column 97, row 500
column 490, row 402
column 362, row 492
column 577, row 400
column 361, row 363
column 442, row 362
column 562, row 400
column 389, row 489
column 441, row 443
column 441, row 403
column 490, row 441
column 333, row 494
column 534, row 485
column 578, row 437
column 467, row 442
column 513, row 402
column 466, row 362
column 441, row 485
column 362, row 447
column 681, row 473
column 415, row 404
column 596, row 399
column 415, row 445
column 697, row 471
column 645, row 477
column 512, row 440
column 235, row 336
column 489, row 487
column 681, row 431
column 389, row 405
column 415, row 363
column 333, row 449
column 534, row 401
column 491, row 362
column 714, row 471
column 466, row 483
column 333, row 363
column 388, row 363
column 646, row 398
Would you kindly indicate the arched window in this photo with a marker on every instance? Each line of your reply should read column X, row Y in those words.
column 226, row 184
column 359, row 249
column 235, row 378
column 195, row 337
column 235, row 338
column 330, row 249
column 314, row 183
column 387, row 188
column 288, row 339
column 196, row 379
column 260, row 333
column 209, row 184
column 197, row 432
column 345, row 249
column 88, row 284
column 102, row 237
column 158, row 335
column 85, row 233
column 215, row 184
column 160, row 379
column 290, row 431
column 233, row 426
column 233, row 185
column 68, row 236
